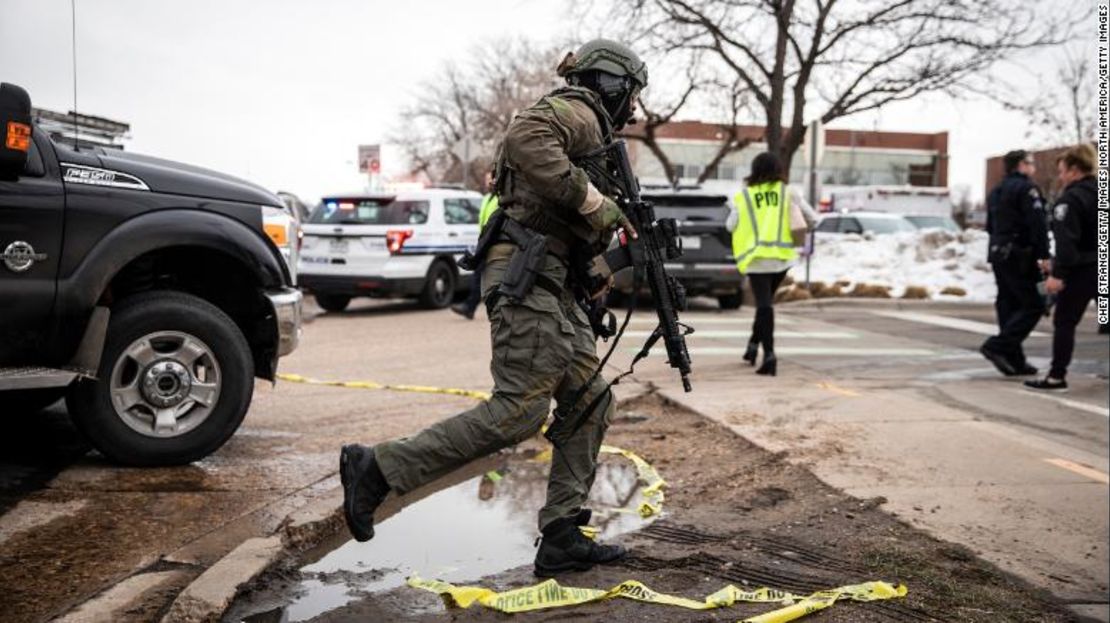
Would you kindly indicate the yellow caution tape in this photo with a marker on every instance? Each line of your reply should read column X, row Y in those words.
column 551, row 594
column 421, row 389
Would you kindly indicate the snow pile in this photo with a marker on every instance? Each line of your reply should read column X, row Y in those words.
column 931, row 258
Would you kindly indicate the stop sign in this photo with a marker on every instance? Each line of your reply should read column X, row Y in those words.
column 375, row 165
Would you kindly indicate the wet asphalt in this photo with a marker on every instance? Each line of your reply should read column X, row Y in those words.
column 52, row 487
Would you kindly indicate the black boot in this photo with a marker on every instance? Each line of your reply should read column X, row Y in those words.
column 564, row 548
column 364, row 488
column 463, row 310
column 751, row 354
column 770, row 364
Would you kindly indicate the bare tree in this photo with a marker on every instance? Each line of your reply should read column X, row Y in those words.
column 646, row 130
column 657, row 116
column 477, row 99
column 1062, row 115
column 732, row 141
column 840, row 56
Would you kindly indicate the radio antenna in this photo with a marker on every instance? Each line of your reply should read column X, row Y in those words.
column 73, row 22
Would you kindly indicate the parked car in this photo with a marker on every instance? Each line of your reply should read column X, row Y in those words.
column 149, row 293
column 384, row 244
column 863, row 222
column 296, row 207
column 933, row 222
column 706, row 267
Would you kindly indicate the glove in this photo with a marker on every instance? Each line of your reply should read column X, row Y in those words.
column 602, row 212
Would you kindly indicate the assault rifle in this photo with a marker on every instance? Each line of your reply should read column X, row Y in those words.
column 657, row 242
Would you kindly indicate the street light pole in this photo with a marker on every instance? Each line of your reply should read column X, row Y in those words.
column 814, row 128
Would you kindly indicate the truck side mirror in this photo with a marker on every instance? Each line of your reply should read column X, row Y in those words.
column 15, row 129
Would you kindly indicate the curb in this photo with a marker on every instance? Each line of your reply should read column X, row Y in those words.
column 843, row 301
column 206, row 598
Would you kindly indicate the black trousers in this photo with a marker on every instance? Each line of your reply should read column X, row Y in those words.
column 1079, row 288
column 475, row 295
column 764, row 286
column 1019, row 307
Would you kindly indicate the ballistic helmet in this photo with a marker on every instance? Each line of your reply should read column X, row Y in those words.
column 610, row 69
column 608, row 56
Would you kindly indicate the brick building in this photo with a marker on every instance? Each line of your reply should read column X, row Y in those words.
column 850, row 158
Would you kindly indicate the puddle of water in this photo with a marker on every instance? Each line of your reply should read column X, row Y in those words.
column 478, row 527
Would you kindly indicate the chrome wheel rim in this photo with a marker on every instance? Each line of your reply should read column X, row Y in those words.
column 165, row 384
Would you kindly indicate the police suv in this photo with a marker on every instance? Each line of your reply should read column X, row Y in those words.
column 148, row 293
column 389, row 244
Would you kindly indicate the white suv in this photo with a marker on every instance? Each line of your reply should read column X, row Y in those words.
column 388, row 244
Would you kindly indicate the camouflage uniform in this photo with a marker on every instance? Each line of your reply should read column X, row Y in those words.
column 543, row 346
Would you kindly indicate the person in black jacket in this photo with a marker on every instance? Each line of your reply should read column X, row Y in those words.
column 1018, row 254
column 1075, row 269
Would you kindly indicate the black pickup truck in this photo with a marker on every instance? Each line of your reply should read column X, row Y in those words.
column 148, row 293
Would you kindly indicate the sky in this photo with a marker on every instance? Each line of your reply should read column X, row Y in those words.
column 282, row 92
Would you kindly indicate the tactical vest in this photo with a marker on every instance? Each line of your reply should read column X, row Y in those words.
column 526, row 210
column 763, row 228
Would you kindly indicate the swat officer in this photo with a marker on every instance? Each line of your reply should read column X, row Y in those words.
column 543, row 345
column 1018, row 253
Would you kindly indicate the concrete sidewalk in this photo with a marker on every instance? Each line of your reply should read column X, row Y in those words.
column 1034, row 504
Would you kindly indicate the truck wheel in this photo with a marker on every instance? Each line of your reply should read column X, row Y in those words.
column 439, row 286
column 174, row 383
column 730, row 301
column 333, row 302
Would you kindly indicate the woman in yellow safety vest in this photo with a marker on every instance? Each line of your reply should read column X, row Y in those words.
column 764, row 247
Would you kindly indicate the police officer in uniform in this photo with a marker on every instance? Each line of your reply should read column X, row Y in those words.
column 489, row 206
column 1018, row 253
column 1074, row 278
column 543, row 345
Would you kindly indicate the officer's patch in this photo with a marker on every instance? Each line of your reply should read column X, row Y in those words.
column 1060, row 212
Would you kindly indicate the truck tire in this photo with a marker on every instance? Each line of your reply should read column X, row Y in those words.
column 439, row 286
column 333, row 302
column 175, row 380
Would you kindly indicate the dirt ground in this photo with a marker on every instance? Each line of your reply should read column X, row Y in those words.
column 738, row 514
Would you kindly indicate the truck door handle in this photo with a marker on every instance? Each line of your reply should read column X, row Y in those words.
column 453, row 234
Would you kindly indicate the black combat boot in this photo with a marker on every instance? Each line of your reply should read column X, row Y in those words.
column 364, row 488
column 564, row 548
